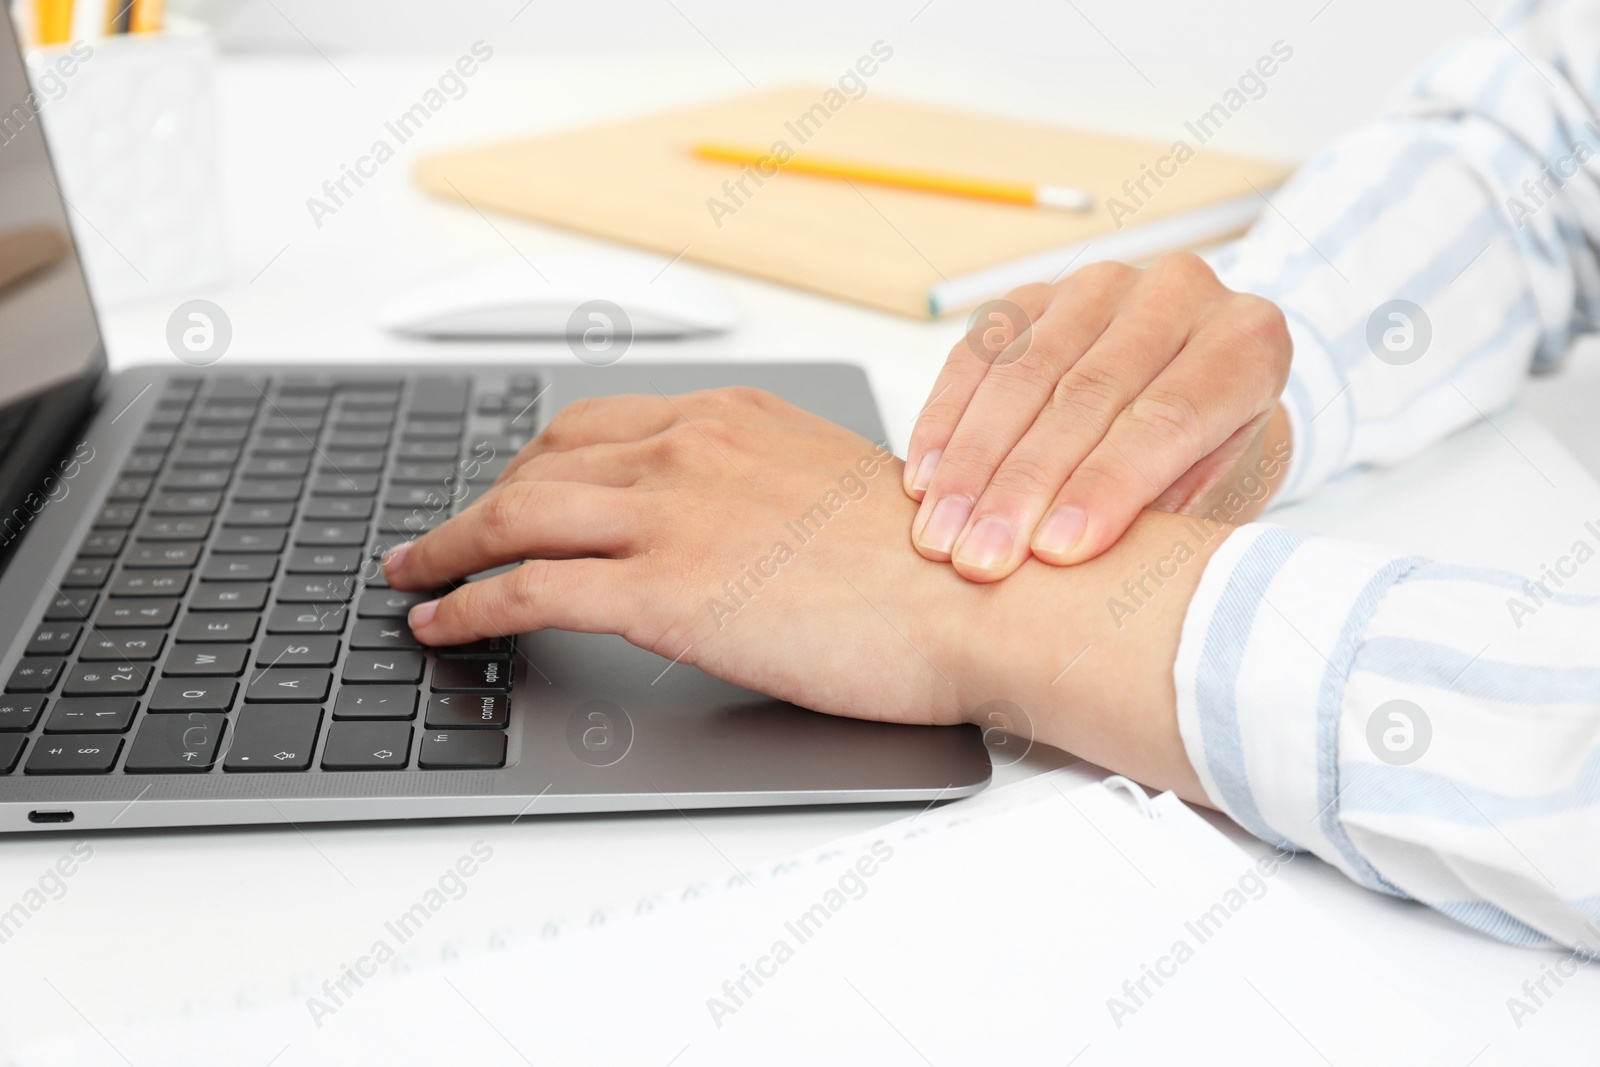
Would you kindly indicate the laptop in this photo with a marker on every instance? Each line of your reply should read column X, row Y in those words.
column 194, row 633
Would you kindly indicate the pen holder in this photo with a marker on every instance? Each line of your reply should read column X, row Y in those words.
column 131, row 123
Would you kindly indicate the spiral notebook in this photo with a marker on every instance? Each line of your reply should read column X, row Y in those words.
column 916, row 253
column 1035, row 924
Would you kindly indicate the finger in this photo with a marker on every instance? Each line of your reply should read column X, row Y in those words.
column 964, row 368
column 1187, row 413
column 615, row 465
column 1065, row 412
column 586, row 595
column 597, row 420
column 521, row 521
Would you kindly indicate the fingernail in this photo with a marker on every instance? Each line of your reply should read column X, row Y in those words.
column 395, row 558
column 925, row 468
column 1058, row 533
column 987, row 545
column 949, row 518
column 422, row 614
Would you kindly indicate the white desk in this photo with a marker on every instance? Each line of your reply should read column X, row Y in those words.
column 158, row 920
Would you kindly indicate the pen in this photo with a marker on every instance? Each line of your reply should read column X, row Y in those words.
column 1061, row 197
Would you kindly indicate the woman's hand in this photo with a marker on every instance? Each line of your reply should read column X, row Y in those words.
column 736, row 532
column 728, row 529
column 1069, row 408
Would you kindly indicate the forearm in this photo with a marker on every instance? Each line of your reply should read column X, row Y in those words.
column 1467, row 212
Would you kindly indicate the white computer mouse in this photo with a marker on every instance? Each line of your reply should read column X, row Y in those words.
column 547, row 296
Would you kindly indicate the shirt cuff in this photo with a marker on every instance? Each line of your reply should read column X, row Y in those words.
column 1321, row 411
column 1267, row 645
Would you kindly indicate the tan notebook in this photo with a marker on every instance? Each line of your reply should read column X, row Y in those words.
column 916, row 253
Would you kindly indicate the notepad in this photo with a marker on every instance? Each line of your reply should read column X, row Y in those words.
column 1034, row 924
column 916, row 253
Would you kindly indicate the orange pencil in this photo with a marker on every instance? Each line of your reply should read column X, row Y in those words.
column 1061, row 197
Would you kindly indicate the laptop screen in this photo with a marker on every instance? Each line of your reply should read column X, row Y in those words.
column 50, row 348
column 46, row 320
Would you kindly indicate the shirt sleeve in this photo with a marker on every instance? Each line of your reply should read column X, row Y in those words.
column 1426, row 262
column 1433, row 731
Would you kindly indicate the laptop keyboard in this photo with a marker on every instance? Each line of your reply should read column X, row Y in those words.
column 226, row 613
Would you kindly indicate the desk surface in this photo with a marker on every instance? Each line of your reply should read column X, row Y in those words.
column 167, row 920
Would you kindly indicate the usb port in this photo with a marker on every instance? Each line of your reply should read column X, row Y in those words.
column 50, row 816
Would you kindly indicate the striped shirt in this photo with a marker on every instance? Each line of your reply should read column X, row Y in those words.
column 1403, row 719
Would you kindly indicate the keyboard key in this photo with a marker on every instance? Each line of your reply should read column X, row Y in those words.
column 186, row 504
column 274, row 737
column 376, row 702
column 465, row 711
column 423, row 451
column 435, row 474
column 117, row 516
column 91, row 715
column 363, row 418
column 324, row 561
column 71, row 607
column 462, row 750
column 223, row 661
column 367, row 667
column 149, row 583
column 218, row 627
column 106, row 679
column 383, row 635
column 333, row 535
column 102, row 543
column 337, row 508
column 271, row 466
column 388, row 603
column 10, row 752
column 163, row 554
column 310, row 651
column 153, row 441
column 289, row 686
column 239, row 568
column 34, row 675
column 410, row 521
column 229, row 596
column 188, row 694
column 86, row 574
column 126, row 614
column 19, row 713
column 306, row 422
column 74, row 754
column 435, row 429
column 176, row 744
column 206, row 456
column 486, row 648
column 471, row 676
column 259, row 515
column 173, row 529
column 306, row 619
column 351, row 463
column 358, row 439
column 293, row 445
column 53, row 639
column 334, row 589
column 144, row 464
column 438, row 396
column 218, row 434
column 249, row 540
column 265, row 492
column 122, row 645
column 333, row 484
column 198, row 480
column 428, row 498
column 367, row 746
column 129, row 489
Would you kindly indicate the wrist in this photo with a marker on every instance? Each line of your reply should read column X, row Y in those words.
column 1086, row 652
